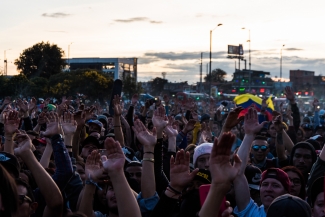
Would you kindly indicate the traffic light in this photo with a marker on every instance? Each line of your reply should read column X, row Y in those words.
column 218, row 93
column 263, row 82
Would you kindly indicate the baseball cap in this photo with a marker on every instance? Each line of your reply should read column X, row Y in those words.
column 10, row 163
column 97, row 122
column 204, row 148
column 253, row 175
column 289, row 206
column 278, row 174
column 203, row 176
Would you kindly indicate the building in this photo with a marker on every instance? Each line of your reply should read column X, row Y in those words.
column 252, row 81
column 120, row 67
column 302, row 80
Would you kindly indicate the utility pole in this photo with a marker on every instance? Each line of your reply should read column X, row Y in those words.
column 200, row 88
column 5, row 67
column 281, row 64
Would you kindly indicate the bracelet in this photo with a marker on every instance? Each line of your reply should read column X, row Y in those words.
column 117, row 126
column 167, row 189
column 91, row 182
column 149, row 152
column 174, row 190
column 149, row 159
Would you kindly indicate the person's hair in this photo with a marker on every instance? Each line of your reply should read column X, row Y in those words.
column 31, row 180
column 190, row 147
column 8, row 193
column 260, row 138
column 29, row 190
column 302, row 193
column 269, row 125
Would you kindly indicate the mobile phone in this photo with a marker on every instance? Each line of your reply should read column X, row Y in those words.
column 203, row 191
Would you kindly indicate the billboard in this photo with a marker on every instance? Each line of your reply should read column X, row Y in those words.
column 235, row 50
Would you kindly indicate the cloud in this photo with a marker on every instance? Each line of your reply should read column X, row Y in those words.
column 137, row 19
column 293, row 49
column 56, row 31
column 56, row 15
column 184, row 55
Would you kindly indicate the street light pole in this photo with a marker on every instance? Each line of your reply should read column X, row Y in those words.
column 69, row 55
column 5, row 68
column 281, row 64
column 220, row 24
column 249, row 51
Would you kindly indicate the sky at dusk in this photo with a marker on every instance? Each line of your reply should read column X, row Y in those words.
column 169, row 35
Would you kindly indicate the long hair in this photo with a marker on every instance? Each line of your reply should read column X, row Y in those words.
column 8, row 193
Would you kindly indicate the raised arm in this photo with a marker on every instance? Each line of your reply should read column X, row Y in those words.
column 117, row 120
column 11, row 124
column 148, row 140
column 123, row 193
column 241, row 188
column 232, row 120
column 48, row 188
column 222, row 173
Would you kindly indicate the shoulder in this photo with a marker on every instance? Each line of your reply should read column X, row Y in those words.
column 251, row 210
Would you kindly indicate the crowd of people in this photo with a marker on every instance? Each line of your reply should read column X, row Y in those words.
column 170, row 159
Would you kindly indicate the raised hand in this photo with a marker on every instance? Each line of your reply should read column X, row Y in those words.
column 69, row 125
column 115, row 157
column 251, row 125
column 32, row 105
column 6, row 101
column 52, row 125
column 23, row 107
column 171, row 128
column 94, row 167
column 80, row 118
column 159, row 118
column 180, row 175
column 289, row 94
column 264, row 104
column 222, row 172
column 166, row 99
column 145, row 137
column 117, row 105
column 11, row 123
column 189, row 126
column 41, row 118
column 24, row 144
column 134, row 99
column 278, row 125
column 232, row 119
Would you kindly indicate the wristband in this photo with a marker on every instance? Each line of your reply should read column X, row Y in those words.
column 149, row 159
column 149, row 152
column 174, row 190
column 91, row 182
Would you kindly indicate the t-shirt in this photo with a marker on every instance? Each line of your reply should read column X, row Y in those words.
column 251, row 210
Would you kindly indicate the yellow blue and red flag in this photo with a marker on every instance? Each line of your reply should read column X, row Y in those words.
column 248, row 100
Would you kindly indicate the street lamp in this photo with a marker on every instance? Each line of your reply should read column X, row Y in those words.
column 69, row 55
column 281, row 64
column 220, row 24
column 5, row 63
column 249, row 51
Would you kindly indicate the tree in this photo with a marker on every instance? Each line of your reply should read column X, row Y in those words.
column 130, row 87
column 158, row 85
column 218, row 75
column 41, row 60
column 39, row 87
column 3, row 86
column 17, row 85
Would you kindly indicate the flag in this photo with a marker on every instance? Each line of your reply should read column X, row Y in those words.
column 248, row 100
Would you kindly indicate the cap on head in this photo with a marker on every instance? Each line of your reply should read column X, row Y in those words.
column 316, row 188
column 97, row 122
column 204, row 176
column 91, row 140
column 204, row 148
column 10, row 163
column 278, row 174
column 289, row 206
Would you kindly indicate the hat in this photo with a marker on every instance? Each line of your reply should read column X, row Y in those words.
column 279, row 175
column 253, row 175
column 10, row 162
column 204, row 148
column 97, row 122
column 316, row 188
column 203, row 176
column 51, row 107
column 90, row 140
column 205, row 117
column 42, row 141
column 289, row 206
column 102, row 117
column 314, row 143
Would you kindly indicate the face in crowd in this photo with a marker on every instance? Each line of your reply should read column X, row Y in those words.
column 202, row 161
column 302, row 159
column 260, row 150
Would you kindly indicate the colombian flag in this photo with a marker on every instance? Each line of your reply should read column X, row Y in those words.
column 248, row 100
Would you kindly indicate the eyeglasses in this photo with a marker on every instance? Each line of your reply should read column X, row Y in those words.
column 257, row 147
column 23, row 198
column 295, row 181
